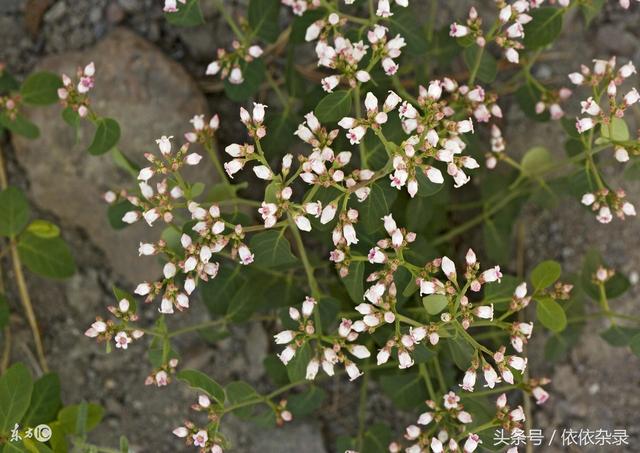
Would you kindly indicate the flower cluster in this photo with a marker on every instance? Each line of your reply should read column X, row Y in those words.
column 509, row 32
column 323, row 357
column 229, row 64
column 122, row 333
column 606, row 203
column 604, row 79
column 74, row 94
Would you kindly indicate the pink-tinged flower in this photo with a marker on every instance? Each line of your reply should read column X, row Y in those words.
column 472, row 443
column 246, row 257
column 213, row 68
column 200, row 439
column 540, row 395
column 255, row 51
column 425, row 418
column 469, row 380
column 490, row 376
column 383, row 356
column 308, row 306
column 359, row 351
column 312, row 369
column 96, row 329
column 492, row 275
column 604, row 215
column 458, row 31
column 434, row 175
column 328, row 213
column 234, row 166
column 376, row 256
column 484, row 311
column 349, row 233
column 588, row 199
column 621, row 154
column 412, row 432
column 631, row 97
column 216, row 449
column 384, row 9
column 181, row 431
column 284, row 337
column 436, row 445
column 356, row 134
column 584, row 124
column 517, row 415
column 302, row 223
column 236, row 77
column 448, row 267
column 591, row 107
column 576, row 78
column 287, row 354
column 465, row 126
column 404, row 360
column 352, row 371
column 464, row 417
column 122, row 340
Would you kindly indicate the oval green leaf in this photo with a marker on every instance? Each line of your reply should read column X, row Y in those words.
column 545, row 274
column 106, row 136
column 46, row 257
column 435, row 303
column 14, row 211
column 550, row 314
column 334, row 106
column 41, row 88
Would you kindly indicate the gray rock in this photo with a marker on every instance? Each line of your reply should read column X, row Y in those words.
column 56, row 12
column 132, row 80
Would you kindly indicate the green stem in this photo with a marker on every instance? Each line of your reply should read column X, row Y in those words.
column 308, row 268
column 427, row 380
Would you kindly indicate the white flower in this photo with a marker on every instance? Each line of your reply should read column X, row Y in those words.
column 359, row 351
column 353, row 371
column 263, row 172
column 312, row 369
column 448, row 267
column 303, row 223
column 284, row 337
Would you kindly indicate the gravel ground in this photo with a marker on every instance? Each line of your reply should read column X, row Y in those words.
column 596, row 386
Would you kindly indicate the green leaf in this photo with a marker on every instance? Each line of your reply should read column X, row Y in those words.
column 188, row 14
column 20, row 125
column 8, row 82
column 306, row 403
column 14, row 211
column 254, row 74
column 461, row 352
column 354, row 281
column 479, row 57
column 125, row 163
column 591, row 9
column 41, row 88
column 544, row 28
column 614, row 287
column 106, row 136
column 71, row 117
column 635, row 344
column 377, row 439
column 16, row 387
column 43, row 229
column 198, row 380
column 545, row 274
column 80, row 418
column 45, row 401
column 4, row 312
column 404, row 21
column 241, row 392
column 272, row 249
column 536, row 160
column 617, row 130
column 377, row 205
column 263, row 18
column 405, row 389
column 334, row 106
column 550, row 314
column 528, row 95
column 276, row 370
column 435, row 303
column 46, row 257
column 297, row 367
column 619, row 336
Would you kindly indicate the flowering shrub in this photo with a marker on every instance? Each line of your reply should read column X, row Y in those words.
column 335, row 215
